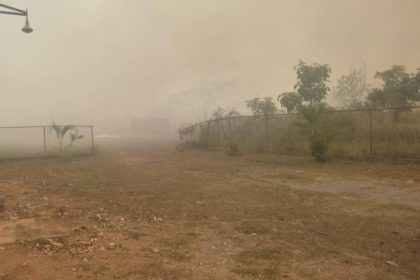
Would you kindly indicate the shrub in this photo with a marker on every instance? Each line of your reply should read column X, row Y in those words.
column 320, row 136
column 319, row 147
column 232, row 146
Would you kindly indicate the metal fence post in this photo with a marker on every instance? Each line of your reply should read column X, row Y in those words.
column 208, row 134
column 370, row 133
column 92, row 139
column 45, row 141
column 229, row 127
column 267, row 133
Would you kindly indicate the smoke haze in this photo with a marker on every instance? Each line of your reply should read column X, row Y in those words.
column 106, row 61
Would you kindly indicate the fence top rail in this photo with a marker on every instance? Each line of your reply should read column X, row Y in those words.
column 40, row 126
column 295, row 113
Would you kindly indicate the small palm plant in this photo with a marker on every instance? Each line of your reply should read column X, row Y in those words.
column 61, row 131
column 74, row 136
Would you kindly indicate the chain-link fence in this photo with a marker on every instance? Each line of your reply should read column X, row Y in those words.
column 393, row 132
column 41, row 141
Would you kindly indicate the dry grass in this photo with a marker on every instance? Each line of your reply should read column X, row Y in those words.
column 198, row 215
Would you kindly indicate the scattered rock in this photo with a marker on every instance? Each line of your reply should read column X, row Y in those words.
column 80, row 228
column 155, row 250
column 112, row 245
column 156, row 219
column 37, row 206
column 73, row 251
column 410, row 181
column 200, row 203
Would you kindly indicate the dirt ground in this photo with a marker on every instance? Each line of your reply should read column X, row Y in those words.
column 152, row 212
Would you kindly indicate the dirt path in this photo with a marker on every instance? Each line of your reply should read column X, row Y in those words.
column 386, row 191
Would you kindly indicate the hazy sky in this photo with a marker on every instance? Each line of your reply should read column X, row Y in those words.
column 93, row 59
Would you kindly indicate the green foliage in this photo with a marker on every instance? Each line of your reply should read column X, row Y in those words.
column 232, row 146
column 311, row 81
column 311, row 90
column 290, row 101
column 319, row 135
column 351, row 89
column 262, row 107
column 400, row 89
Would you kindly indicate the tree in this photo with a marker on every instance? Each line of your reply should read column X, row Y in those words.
column 262, row 107
column 219, row 113
column 312, row 88
column 311, row 81
column 232, row 113
column 400, row 89
column 351, row 88
column 290, row 101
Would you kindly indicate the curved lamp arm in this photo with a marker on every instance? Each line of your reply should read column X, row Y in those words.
column 18, row 12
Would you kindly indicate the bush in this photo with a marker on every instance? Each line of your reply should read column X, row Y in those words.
column 320, row 136
column 319, row 147
column 232, row 146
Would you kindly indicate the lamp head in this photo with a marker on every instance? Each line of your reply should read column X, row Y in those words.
column 27, row 28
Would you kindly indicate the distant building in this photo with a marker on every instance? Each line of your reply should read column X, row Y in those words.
column 151, row 126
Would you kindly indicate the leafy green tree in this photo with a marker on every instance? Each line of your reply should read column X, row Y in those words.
column 400, row 89
column 312, row 81
column 312, row 88
column 290, row 101
column 351, row 89
column 262, row 107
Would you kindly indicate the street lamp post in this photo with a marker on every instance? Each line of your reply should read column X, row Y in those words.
column 17, row 12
